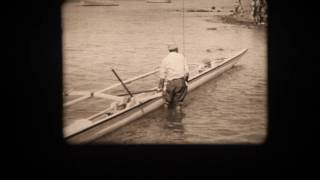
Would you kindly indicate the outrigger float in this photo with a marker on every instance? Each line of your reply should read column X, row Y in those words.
column 131, row 106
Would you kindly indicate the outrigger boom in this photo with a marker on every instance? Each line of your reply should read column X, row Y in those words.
column 98, row 93
column 110, row 119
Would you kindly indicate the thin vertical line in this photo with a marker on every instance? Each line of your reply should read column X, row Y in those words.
column 183, row 51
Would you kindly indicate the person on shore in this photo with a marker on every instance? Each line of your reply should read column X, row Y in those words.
column 259, row 11
column 239, row 8
column 263, row 12
column 175, row 71
column 254, row 10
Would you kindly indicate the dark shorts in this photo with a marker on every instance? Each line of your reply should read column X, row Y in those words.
column 176, row 91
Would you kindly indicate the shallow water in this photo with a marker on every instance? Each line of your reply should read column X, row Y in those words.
column 132, row 39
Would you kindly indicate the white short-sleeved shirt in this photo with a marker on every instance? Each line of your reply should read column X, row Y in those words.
column 174, row 66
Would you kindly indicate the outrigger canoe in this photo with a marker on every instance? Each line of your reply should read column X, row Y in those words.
column 114, row 117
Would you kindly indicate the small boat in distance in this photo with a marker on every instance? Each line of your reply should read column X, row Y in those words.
column 98, row 3
column 158, row 1
column 126, row 109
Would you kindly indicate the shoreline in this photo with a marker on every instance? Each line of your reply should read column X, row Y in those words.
column 239, row 20
column 225, row 14
column 241, row 14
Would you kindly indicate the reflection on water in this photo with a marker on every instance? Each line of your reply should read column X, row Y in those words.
column 173, row 120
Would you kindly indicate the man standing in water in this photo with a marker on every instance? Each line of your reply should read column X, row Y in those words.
column 174, row 69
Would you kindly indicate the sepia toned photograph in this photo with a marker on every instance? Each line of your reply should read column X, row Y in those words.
column 165, row 71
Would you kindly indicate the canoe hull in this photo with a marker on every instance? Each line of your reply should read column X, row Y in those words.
column 115, row 123
column 110, row 125
column 212, row 73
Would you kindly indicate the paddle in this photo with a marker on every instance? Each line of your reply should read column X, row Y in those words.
column 124, row 86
